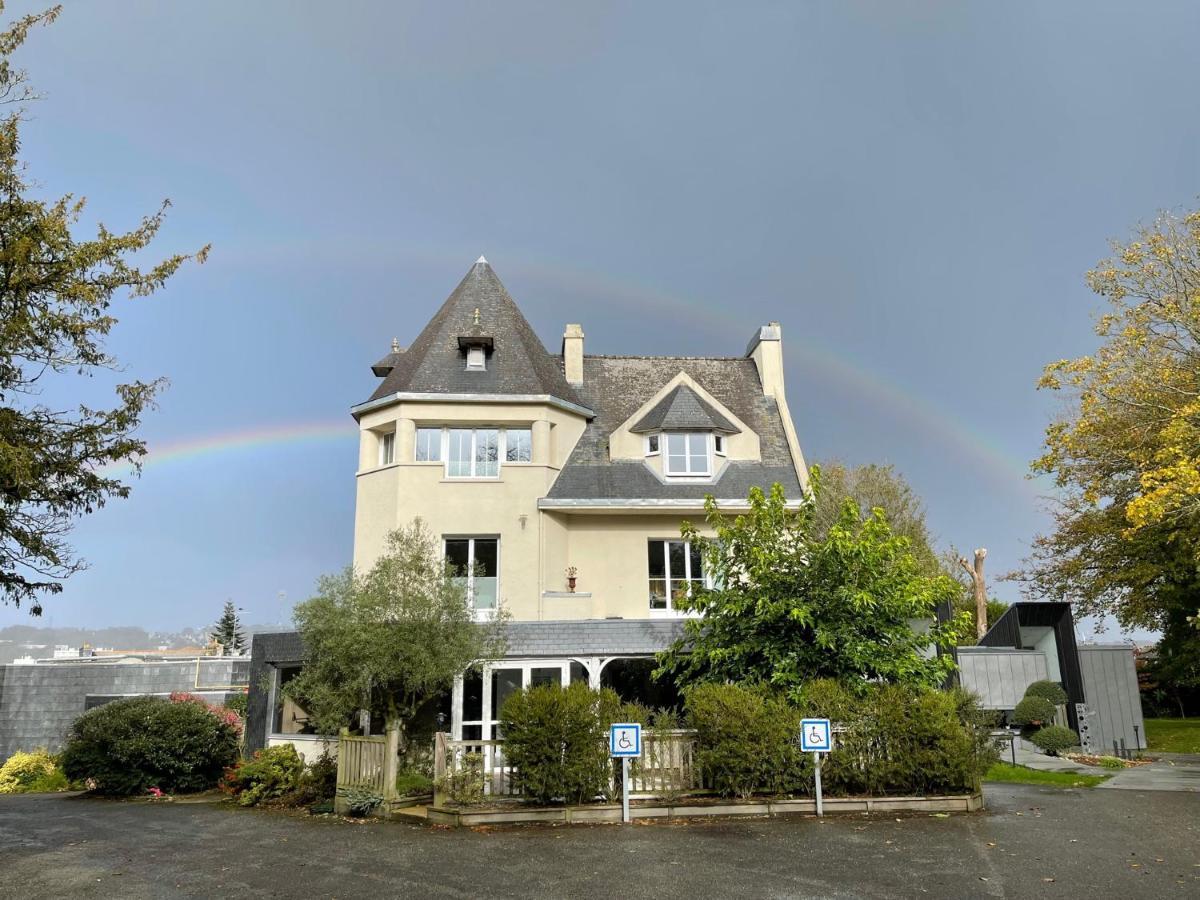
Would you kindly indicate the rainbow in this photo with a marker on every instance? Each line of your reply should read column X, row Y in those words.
column 188, row 449
column 942, row 428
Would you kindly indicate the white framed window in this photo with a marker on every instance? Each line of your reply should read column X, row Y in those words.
column 476, row 359
column 676, row 569
column 387, row 448
column 518, row 445
column 687, row 454
column 652, row 441
column 473, row 453
column 719, row 444
column 476, row 560
column 429, row 445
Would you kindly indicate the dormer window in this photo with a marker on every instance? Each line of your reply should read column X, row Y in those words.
column 687, row 454
column 476, row 359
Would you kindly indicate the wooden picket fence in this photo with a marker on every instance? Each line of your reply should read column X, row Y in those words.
column 667, row 767
column 362, row 764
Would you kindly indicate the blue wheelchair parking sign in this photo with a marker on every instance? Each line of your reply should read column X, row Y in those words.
column 815, row 736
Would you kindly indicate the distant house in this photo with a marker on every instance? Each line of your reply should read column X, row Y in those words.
column 558, row 483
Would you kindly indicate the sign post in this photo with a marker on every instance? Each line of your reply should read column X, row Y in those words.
column 625, row 743
column 816, row 737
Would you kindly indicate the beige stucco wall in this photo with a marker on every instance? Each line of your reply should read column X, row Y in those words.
column 610, row 552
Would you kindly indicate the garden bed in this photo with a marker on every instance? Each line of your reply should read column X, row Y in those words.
column 512, row 814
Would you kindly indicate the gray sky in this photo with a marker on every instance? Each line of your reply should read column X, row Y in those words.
column 914, row 190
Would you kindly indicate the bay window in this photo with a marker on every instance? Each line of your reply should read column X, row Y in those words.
column 473, row 452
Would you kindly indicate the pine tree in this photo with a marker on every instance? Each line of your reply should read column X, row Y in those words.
column 228, row 630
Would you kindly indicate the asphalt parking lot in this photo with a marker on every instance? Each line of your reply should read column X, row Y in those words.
column 1031, row 842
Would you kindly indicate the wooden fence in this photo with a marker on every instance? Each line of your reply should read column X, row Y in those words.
column 668, row 766
column 363, row 763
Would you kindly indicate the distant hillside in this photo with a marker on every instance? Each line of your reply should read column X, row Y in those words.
column 30, row 640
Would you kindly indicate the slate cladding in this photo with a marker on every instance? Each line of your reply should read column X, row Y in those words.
column 267, row 650
column 38, row 703
column 615, row 386
column 435, row 363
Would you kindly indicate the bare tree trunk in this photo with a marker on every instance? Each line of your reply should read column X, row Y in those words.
column 976, row 573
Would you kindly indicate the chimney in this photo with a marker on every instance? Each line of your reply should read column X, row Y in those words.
column 572, row 351
column 766, row 349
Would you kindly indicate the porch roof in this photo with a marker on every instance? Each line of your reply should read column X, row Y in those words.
column 591, row 637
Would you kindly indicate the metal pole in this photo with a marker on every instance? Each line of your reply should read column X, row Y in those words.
column 1012, row 745
column 817, row 769
column 625, row 789
column 1137, row 738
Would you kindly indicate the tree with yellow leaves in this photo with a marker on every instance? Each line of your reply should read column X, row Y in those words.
column 1127, row 455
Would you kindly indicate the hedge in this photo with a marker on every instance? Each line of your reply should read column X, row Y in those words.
column 129, row 746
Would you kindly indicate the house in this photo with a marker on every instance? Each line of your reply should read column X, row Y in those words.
column 558, row 483
column 1036, row 642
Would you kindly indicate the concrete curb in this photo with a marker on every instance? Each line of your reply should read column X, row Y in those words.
column 567, row 815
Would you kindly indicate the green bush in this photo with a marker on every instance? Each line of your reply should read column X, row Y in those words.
column 1051, row 691
column 238, row 703
column 270, row 774
column 896, row 739
column 1033, row 711
column 1054, row 739
column 464, row 785
column 556, row 740
column 129, row 746
column 747, row 741
column 316, row 784
column 1111, row 762
column 34, row 772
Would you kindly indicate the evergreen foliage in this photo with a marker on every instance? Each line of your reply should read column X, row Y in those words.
column 228, row 631
column 129, row 746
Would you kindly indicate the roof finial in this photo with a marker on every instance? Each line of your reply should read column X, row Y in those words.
column 477, row 315
column 481, row 260
column 395, row 345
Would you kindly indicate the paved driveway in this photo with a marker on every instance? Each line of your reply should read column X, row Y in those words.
column 1033, row 842
column 1170, row 772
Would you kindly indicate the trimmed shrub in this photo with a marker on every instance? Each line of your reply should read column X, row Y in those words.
column 270, row 774
column 1111, row 762
column 412, row 783
column 1033, row 711
column 555, row 737
column 464, row 785
column 1047, row 690
column 31, row 773
column 129, row 746
column 747, row 740
column 1054, row 739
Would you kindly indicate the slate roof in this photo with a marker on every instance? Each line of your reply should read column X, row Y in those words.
column 683, row 410
column 591, row 637
column 615, row 386
column 518, row 363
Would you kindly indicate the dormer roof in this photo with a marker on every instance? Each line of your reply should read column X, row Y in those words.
column 683, row 410
column 479, row 312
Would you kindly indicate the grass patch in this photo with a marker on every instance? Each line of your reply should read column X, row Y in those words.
column 1173, row 735
column 1021, row 775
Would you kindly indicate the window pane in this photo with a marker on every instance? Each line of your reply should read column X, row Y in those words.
column 486, row 552
column 459, row 556
column 460, row 452
column 578, row 672
column 656, row 560
column 696, row 561
column 472, row 696
column 676, row 568
column 472, row 732
column 475, row 358
column 487, row 453
column 653, row 443
column 676, row 454
column 518, row 445
column 505, row 683
column 545, row 676
column 387, row 448
column 429, row 444
column 658, row 593
column 698, row 452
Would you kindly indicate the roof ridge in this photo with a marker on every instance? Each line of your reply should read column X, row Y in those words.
column 646, row 356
